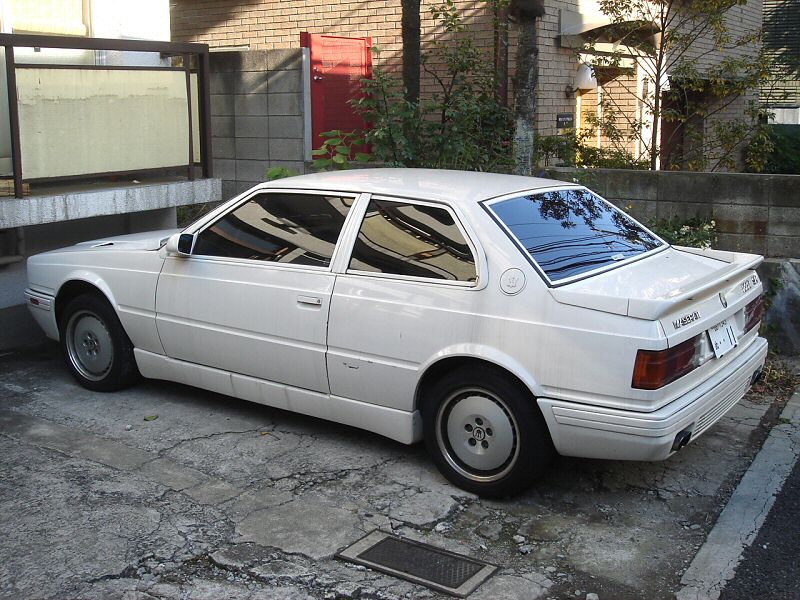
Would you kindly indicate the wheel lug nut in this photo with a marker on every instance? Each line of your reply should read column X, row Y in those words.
column 484, row 444
column 488, row 431
column 468, row 427
column 472, row 441
column 478, row 421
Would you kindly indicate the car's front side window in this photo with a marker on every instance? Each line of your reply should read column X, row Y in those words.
column 280, row 227
column 571, row 232
column 413, row 240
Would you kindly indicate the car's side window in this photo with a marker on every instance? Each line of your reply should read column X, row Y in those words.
column 280, row 227
column 417, row 240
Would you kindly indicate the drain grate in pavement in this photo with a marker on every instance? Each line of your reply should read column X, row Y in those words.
column 420, row 563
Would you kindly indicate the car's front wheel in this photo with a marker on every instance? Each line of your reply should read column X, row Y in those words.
column 97, row 350
column 485, row 432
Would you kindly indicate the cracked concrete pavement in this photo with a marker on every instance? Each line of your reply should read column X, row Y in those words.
column 222, row 498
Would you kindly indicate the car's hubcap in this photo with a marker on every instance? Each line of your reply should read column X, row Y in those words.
column 477, row 434
column 89, row 345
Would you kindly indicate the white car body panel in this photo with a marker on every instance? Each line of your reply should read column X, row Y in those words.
column 255, row 330
column 246, row 317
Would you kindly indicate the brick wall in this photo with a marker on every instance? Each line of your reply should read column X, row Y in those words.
column 740, row 21
column 256, row 115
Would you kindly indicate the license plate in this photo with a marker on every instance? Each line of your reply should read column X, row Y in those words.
column 723, row 338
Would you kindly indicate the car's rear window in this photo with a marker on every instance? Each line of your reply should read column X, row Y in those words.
column 572, row 232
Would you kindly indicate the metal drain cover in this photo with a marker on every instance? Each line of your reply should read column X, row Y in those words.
column 420, row 563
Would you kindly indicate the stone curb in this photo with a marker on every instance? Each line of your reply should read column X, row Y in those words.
column 715, row 563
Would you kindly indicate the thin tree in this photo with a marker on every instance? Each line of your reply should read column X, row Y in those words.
column 690, row 58
column 410, row 22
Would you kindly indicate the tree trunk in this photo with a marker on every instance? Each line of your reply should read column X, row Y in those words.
column 501, row 55
column 525, row 97
column 411, row 50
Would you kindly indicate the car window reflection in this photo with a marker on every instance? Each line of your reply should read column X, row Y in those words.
column 413, row 240
column 286, row 228
column 570, row 232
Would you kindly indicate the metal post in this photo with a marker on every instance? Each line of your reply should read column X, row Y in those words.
column 187, row 66
column 204, row 113
column 13, row 118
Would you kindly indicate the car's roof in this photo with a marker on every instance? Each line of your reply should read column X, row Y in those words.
column 424, row 184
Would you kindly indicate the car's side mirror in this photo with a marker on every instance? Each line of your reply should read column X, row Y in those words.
column 180, row 244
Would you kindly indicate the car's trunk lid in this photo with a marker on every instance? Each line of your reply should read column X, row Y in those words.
column 679, row 287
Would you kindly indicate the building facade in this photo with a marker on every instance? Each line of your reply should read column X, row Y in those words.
column 564, row 35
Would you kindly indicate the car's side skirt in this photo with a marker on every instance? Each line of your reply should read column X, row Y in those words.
column 399, row 425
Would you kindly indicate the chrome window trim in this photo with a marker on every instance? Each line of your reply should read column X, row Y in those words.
column 487, row 206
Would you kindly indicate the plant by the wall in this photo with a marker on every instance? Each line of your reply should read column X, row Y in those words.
column 337, row 149
column 458, row 125
column 274, row 173
column 695, row 232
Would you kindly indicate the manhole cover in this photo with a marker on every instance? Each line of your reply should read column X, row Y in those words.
column 426, row 565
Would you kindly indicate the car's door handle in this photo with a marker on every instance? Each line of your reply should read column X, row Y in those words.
column 312, row 300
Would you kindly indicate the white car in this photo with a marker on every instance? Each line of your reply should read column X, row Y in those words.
column 499, row 318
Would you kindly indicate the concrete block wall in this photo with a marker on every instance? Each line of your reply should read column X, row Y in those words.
column 753, row 213
column 257, row 117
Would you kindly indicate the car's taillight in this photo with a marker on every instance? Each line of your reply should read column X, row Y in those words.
column 656, row 368
column 753, row 313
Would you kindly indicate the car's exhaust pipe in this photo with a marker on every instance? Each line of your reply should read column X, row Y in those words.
column 757, row 376
column 681, row 439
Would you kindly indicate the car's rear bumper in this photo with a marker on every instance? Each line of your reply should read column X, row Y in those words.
column 594, row 432
column 41, row 307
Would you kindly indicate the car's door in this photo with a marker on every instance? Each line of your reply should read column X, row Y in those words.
column 254, row 295
column 408, row 289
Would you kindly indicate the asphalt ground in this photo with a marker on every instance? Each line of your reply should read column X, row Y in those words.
column 166, row 491
column 770, row 567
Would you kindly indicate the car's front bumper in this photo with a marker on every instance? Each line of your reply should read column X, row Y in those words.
column 594, row 432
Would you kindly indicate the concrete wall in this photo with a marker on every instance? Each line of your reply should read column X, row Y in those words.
column 753, row 213
column 257, row 115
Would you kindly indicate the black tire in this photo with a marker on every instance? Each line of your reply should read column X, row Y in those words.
column 485, row 432
column 98, row 352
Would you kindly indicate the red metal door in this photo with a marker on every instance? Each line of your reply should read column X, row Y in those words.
column 338, row 64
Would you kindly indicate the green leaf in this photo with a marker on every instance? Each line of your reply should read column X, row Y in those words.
column 319, row 152
column 339, row 159
column 343, row 150
column 151, row 417
column 322, row 163
column 363, row 157
column 333, row 141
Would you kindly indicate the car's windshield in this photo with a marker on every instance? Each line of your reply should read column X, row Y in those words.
column 571, row 232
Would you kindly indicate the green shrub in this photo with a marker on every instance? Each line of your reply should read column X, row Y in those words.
column 695, row 233
column 274, row 173
column 576, row 150
column 784, row 154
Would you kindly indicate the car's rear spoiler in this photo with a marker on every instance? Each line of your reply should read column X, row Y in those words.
column 655, row 308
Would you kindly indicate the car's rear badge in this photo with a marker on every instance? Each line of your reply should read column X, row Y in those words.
column 686, row 319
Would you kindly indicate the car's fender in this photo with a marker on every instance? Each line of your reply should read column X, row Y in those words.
column 91, row 278
column 482, row 352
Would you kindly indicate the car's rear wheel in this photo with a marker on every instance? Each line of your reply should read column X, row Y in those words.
column 485, row 432
column 98, row 352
